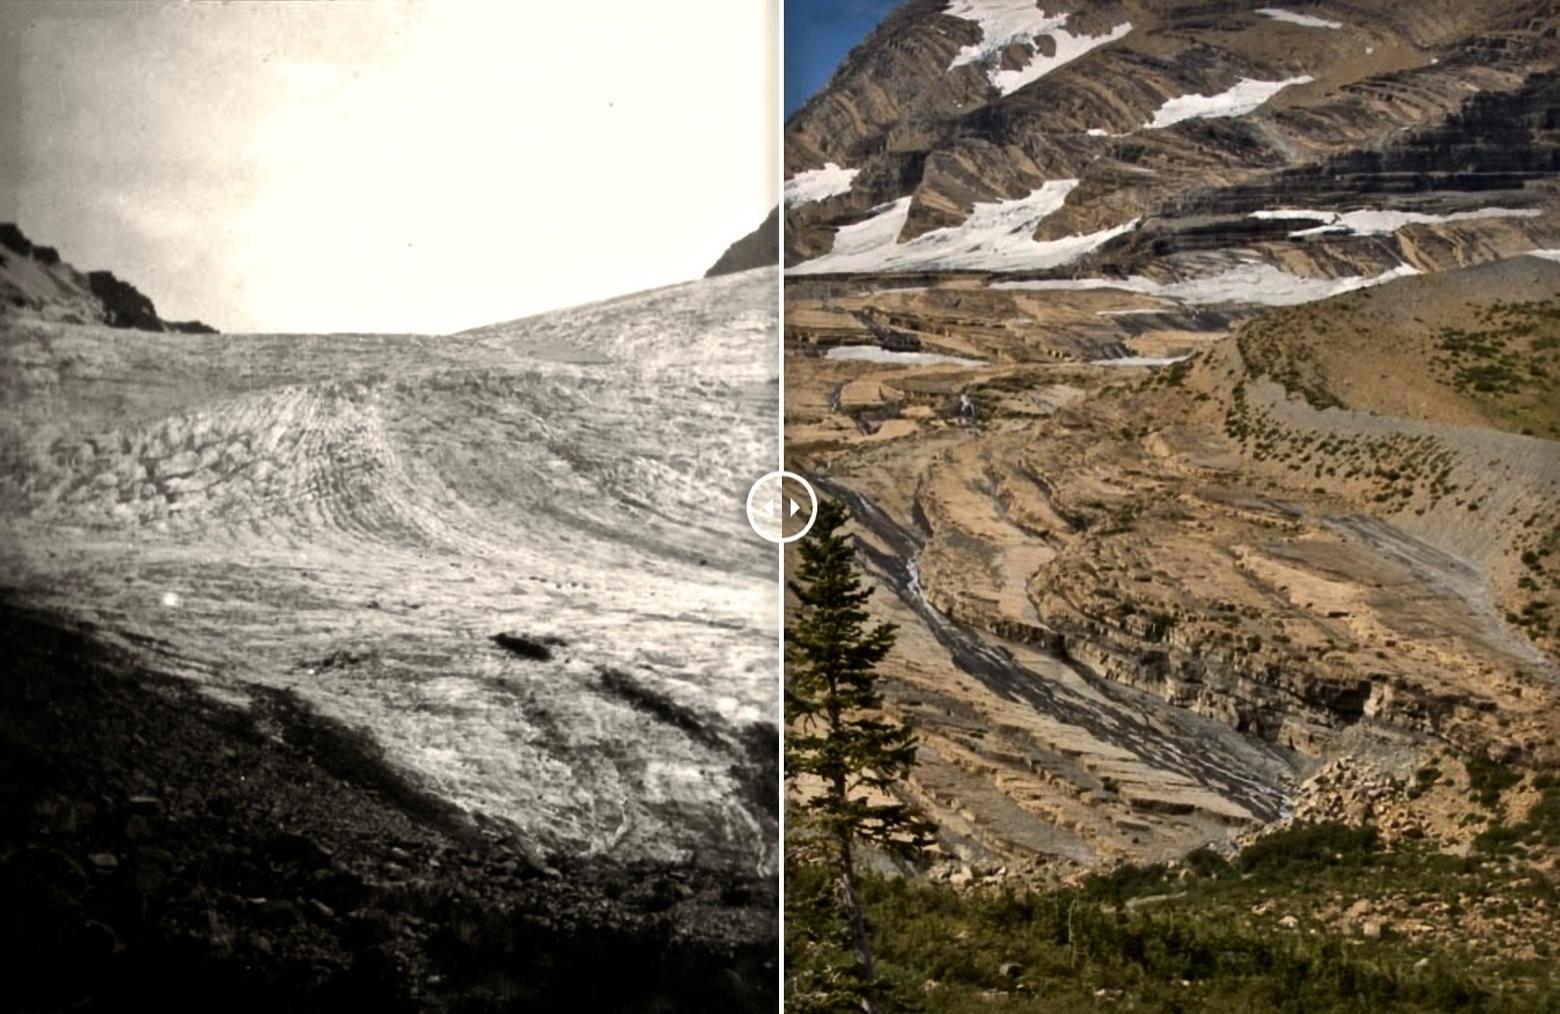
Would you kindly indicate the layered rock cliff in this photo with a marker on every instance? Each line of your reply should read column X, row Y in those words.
column 1166, row 125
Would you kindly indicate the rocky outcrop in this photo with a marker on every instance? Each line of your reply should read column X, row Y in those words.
column 887, row 90
column 123, row 304
column 759, row 248
column 37, row 283
column 12, row 238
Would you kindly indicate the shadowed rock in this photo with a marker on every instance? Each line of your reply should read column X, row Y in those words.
column 536, row 650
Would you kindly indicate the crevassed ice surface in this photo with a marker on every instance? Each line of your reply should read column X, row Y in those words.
column 353, row 517
column 1005, row 22
column 818, row 184
column 1245, row 96
column 997, row 236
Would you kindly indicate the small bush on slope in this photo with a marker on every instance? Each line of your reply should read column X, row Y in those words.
column 1195, row 946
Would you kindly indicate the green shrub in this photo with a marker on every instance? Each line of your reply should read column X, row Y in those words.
column 1306, row 847
column 1487, row 779
column 1204, row 862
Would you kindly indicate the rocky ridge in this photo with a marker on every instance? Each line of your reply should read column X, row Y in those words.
column 757, row 249
column 35, row 282
column 1433, row 111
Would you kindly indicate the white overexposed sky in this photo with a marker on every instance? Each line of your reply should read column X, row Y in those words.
column 387, row 165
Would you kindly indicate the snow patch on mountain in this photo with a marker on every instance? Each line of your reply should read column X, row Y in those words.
column 997, row 236
column 1295, row 18
column 1380, row 221
column 819, row 184
column 1006, row 22
column 1255, row 283
column 1141, row 360
column 1243, row 97
column 863, row 245
column 874, row 354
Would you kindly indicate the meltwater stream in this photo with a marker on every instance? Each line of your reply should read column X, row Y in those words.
column 1202, row 749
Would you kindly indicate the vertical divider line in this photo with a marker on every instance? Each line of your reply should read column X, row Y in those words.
column 778, row 55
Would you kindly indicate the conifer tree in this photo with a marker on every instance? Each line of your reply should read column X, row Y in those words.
column 841, row 753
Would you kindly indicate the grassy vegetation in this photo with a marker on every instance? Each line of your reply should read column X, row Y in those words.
column 1538, row 583
column 1503, row 361
column 1537, row 834
column 1274, row 347
column 1508, row 363
column 1503, row 358
column 1262, row 932
column 1424, row 780
column 1395, row 468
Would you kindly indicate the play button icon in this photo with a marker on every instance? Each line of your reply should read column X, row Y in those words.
column 781, row 505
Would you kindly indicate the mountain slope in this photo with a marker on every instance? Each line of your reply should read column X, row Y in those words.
column 1193, row 390
column 755, row 250
column 1156, row 131
column 34, row 282
column 161, row 849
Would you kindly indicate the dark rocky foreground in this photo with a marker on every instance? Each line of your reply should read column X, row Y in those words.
column 162, row 851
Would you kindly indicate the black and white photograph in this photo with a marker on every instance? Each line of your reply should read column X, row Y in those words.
column 380, row 387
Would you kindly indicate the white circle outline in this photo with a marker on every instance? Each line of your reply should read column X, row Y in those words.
column 781, row 476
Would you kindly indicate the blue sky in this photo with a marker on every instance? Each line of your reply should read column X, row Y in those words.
column 818, row 34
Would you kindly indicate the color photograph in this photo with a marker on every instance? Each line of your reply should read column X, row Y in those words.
column 1181, row 381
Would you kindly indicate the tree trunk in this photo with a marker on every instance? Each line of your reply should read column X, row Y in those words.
column 858, row 920
column 846, row 886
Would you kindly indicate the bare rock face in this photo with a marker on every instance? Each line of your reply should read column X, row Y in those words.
column 886, row 89
column 757, row 249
